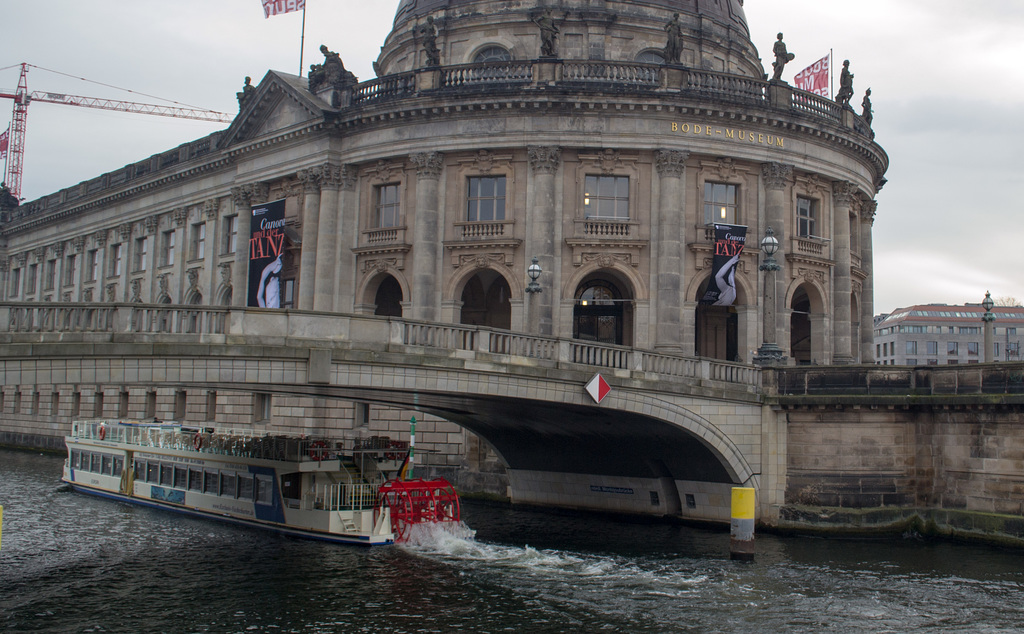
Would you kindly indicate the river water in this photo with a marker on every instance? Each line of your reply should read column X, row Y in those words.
column 74, row 563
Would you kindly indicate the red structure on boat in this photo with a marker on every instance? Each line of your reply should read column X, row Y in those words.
column 418, row 502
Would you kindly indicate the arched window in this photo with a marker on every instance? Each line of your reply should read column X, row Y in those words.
column 492, row 54
column 650, row 57
column 388, row 298
column 600, row 313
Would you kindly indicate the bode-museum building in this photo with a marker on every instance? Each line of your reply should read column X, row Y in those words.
column 603, row 138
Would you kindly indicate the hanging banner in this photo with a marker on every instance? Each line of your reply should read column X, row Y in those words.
column 814, row 78
column 266, row 254
column 729, row 243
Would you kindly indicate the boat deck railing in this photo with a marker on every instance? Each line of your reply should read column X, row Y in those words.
column 247, row 443
column 347, row 497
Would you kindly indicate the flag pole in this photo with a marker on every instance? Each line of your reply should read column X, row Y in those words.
column 302, row 41
column 831, row 73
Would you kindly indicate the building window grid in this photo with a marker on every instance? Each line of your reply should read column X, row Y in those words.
column 167, row 248
column 70, row 268
column 30, row 279
column 15, row 282
column 93, row 265
column 115, row 260
column 197, row 244
column 486, row 199
column 606, row 197
column 387, row 206
column 230, row 234
column 141, row 253
column 806, row 217
column 50, row 275
column 720, row 203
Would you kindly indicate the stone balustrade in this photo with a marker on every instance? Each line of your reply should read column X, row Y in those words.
column 30, row 322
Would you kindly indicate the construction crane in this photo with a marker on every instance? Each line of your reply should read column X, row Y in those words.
column 22, row 98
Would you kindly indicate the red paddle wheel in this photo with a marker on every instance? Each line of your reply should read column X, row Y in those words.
column 418, row 502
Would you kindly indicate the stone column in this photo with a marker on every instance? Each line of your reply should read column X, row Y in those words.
column 345, row 262
column 544, row 162
column 843, row 193
column 669, row 269
column 210, row 214
column 99, row 283
column 867, row 300
column 426, row 300
column 776, row 177
column 310, row 229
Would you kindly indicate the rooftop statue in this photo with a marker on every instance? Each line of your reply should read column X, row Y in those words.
column 782, row 57
column 331, row 73
column 548, row 33
column 674, row 46
column 845, row 86
column 428, row 32
column 247, row 91
column 866, row 104
column 7, row 199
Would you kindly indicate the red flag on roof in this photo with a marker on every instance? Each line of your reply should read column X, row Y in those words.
column 275, row 7
column 814, row 78
column 5, row 139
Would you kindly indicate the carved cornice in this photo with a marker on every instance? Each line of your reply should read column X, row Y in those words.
column 671, row 163
column 180, row 216
column 349, row 177
column 776, row 175
column 843, row 193
column 428, row 165
column 58, row 249
column 150, row 225
column 332, row 176
column 124, row 230
column 39, row 253
column 311, row 179
column 77, row 244
column 868, row 211
column 21, row 258
column 544, row 159
column 245, row 195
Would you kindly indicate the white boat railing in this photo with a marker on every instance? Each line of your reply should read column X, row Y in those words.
column 348, row 497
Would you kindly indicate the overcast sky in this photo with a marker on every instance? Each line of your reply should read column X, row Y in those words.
column 946, row 78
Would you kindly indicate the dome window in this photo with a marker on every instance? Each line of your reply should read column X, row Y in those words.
column 492, row 54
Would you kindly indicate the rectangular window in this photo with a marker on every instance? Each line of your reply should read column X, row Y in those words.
column 70, row 269
column 167, row 248
column 122, row 405
column 230, row 234
column 933, row 347
column 806, row 217
column 996, row 350
column 141, row 253
column 197, row 241
column 878, row 350
column 50, row 275
column 972, row 348
column 606, row 197
column 195, row 479
column 261, row 407
column 911, row 347
column 387, row 206
column 970, row 330
column 952, row 348
column 15, row 282
column 911, row 361
column 30, row 279
column 720, row 203
column 486, row 199
column 227, row 484
column 115, row 260
column 211, row 482
column 92, row 265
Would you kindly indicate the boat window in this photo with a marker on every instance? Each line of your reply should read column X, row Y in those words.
column 210, row 482
column 152, row 472
column 75, row 460
column 86, row 456
column 264, row 489
column 245, row 488
column 106, row 463
column 195, row 479
column 291, row 486
column 118, row 465
column 227, row 484
column 167, row 475
column 140, row 470
column 180, row 477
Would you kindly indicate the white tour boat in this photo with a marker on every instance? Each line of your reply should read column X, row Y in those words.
column 329, row 489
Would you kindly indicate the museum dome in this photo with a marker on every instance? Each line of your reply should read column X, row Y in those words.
column 714, row 34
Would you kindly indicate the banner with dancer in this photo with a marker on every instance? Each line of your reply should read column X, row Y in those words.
column 729, row 243
column 266, row 254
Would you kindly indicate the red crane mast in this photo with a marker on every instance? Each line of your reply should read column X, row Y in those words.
column 22, row 98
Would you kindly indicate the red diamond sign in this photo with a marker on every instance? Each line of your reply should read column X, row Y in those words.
column 598, row 388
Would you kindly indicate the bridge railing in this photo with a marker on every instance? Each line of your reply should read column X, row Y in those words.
column 950, row 380
column 42, row 318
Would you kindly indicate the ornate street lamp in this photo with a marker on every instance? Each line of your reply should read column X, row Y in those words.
column 534, row 272
column 989, row 318
column 769, row 353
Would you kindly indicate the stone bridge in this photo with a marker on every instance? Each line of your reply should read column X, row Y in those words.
column 853, row 448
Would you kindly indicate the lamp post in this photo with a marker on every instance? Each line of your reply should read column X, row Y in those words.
column 989, row 318
column 769, row 353
column 533, row 271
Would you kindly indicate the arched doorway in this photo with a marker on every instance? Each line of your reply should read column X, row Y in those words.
column 716, row 329
column 603, row 312
column 388, row 300
column 486, row 301
column 800, row 327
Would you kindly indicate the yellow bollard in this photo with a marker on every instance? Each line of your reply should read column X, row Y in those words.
column 741, row 529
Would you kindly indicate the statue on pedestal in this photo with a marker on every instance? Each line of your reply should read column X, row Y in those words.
column 548, row 33
column 866, row 104
column 674, row 45
column 331, row 73
column 845, row 86
column 782, row 57
column 247, row 90
column 429, row 34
